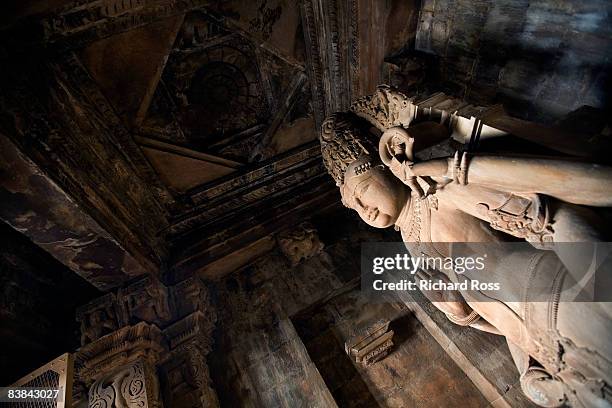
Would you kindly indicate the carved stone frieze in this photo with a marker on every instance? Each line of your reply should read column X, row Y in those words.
column 331, row 34
column 145, row 300
column 82, row 22
column 99, row 317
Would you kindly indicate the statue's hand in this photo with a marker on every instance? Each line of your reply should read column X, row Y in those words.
column 403, row 171
column 396, row 149
column 451, row 302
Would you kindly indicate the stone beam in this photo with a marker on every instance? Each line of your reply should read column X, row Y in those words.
column 237, row 240
column 36, row 206
column 56, row 117
column 237, row 192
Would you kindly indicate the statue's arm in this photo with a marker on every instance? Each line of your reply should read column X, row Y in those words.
column 569, row 181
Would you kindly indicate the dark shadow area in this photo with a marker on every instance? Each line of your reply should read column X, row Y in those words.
column 403, row 327
column 37, row 306
column 349, row 390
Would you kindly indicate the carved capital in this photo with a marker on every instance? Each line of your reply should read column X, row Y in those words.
column 142, row 341
column 187, row 379
column 145, row 300
column 99, row 318
column 386, row 108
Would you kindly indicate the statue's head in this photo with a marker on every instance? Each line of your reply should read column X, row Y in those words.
column 366, row 185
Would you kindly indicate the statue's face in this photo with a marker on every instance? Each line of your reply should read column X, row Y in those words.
column 376, row 195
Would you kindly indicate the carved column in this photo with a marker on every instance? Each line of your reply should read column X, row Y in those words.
column 186, row 377
column 146, row 346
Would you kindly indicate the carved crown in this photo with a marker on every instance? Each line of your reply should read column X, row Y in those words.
column 344, row 139
column 386, row 108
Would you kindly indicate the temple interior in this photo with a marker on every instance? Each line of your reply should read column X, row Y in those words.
column 182, row 218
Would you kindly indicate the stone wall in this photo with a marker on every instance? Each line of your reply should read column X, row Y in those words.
column 283, row 322
column 259, row 359
column 540, row 59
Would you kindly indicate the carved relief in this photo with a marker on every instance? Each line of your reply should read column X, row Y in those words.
column 145, row 300
column 187, row 376
column 99, row 318
column 385, row 109
column 331, row 36
column 144, row 341
column 340, row 147
column 189, row 296
column 129, row 386
column 138, row 349
column 300, row 244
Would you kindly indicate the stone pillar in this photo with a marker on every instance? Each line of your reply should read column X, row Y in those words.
column 146, row 346
column 186, row 376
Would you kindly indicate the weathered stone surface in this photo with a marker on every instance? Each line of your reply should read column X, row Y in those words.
column 58, row 224
column 416, row 372
column 541, row 60
column 56, row 116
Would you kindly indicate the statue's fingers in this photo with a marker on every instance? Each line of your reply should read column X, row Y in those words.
column 415, row 186
column 431, row 185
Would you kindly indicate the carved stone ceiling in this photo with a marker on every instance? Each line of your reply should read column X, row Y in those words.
column 201, row 90
column 215, row 95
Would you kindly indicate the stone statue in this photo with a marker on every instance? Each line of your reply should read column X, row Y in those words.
column 563, row 358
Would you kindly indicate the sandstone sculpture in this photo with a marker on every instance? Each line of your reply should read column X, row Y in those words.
column 372, row 153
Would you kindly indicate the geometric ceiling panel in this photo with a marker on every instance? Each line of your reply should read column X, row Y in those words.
column 215, row 83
